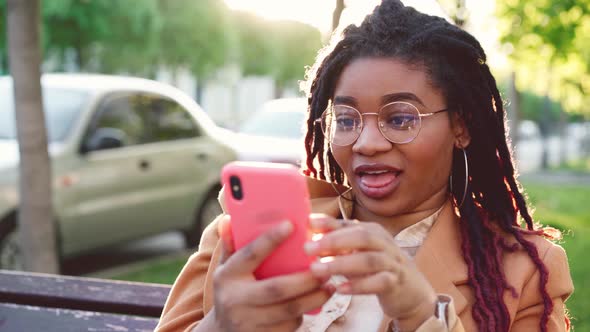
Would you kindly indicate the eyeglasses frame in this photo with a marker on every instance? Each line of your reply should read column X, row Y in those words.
column 420, row 115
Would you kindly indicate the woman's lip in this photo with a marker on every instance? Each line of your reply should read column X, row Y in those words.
column 374, row 168
column 379, row 190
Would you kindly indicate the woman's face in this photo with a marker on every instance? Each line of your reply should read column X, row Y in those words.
column 390, row 179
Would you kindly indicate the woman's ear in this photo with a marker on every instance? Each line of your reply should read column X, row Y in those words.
column 460, row 131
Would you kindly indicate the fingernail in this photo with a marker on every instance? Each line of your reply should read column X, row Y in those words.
column 344, row 288
column 318, row 268
column 310, row 247
column 329, row 288
column 285, row 228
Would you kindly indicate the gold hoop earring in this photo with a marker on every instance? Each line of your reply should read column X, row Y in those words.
column 466, row 179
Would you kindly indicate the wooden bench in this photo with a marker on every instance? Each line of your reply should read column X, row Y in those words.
column 40, row 302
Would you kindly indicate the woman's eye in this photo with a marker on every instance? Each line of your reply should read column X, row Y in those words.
column 401, row 121
column 345, row 123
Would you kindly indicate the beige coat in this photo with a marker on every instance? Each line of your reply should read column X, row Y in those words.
column 439, row 259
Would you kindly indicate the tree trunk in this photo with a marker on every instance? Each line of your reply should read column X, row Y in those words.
column 3, row 64
column 36, row 225
column 199, row 90
column 563, row 136
column 458, row 14
column 279, row 89
column 514, row 110
column 174, row 76
column 337, row 13
column 545, row 130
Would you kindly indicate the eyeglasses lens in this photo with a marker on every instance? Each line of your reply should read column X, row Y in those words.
column 399, row 122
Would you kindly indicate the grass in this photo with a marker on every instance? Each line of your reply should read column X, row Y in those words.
column 568, row 208
column 581, row 165
column 563, row 207
column 161, row 272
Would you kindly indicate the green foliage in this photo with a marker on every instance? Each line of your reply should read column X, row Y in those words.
column 539, row 23
column 138, row 37
column 133, row 44
column 550, row 39
column 105, row 35
column 298, row 45
column 258, row 54
column 134, row 36
column 195, row 34
column 532, row 106
column 278, row 48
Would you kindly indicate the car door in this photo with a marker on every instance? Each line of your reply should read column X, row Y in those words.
column 107, row 204
column 179, row 164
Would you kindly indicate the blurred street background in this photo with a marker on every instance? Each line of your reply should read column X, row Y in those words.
column 220, row 81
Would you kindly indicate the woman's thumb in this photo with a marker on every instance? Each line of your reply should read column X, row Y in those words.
column 225, row 234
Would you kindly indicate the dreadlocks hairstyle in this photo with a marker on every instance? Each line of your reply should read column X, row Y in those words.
column 455, row 63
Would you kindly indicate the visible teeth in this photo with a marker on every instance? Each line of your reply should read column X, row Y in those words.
column 376, row 172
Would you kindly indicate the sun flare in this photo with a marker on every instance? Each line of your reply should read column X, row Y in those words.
column 318, row 13
column 312, row 12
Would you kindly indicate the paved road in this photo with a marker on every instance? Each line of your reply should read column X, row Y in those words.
column 557, row 177
column 117, row 256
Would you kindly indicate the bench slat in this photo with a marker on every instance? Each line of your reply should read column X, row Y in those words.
column 108, row 296
column 15, row 317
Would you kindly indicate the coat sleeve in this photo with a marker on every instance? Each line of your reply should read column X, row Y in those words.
column 184, row 307
column 559, row 288
column 530, row 305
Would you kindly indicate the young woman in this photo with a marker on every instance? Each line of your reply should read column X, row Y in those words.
column 408, row 161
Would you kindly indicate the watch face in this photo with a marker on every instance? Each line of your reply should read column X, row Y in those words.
column 440, row 312
column 441, row 309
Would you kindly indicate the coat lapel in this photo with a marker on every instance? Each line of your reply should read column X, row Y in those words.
column 440, row 259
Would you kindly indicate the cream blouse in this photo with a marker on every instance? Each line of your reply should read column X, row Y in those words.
column 345, row 312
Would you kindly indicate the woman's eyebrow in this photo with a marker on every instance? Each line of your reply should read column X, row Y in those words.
column 400, row 96
column 345, row 100
column 386, row 99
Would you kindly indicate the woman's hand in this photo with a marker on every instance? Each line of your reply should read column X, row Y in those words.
column 243, row 303
column 366, row 255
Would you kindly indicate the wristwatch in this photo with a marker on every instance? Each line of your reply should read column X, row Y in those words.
column 440, row 312
column 440, row 309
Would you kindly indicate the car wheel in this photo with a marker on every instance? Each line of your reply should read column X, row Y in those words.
column 11, row 255
column 206, row 213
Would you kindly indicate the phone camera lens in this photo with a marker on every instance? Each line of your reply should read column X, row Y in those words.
column 236, row 187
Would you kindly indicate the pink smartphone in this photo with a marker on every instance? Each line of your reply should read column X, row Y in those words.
column 259, row 195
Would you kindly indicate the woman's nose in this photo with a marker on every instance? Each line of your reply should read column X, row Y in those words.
column 370, row 140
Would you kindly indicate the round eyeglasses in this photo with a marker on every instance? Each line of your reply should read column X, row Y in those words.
column 399, row 122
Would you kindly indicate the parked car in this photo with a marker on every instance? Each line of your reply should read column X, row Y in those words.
column 274, row 133
column 130, row 158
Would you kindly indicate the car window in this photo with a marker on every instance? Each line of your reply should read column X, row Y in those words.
column 282, row 124
column 168, row 121
column 121, row 113
column 61, row 106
